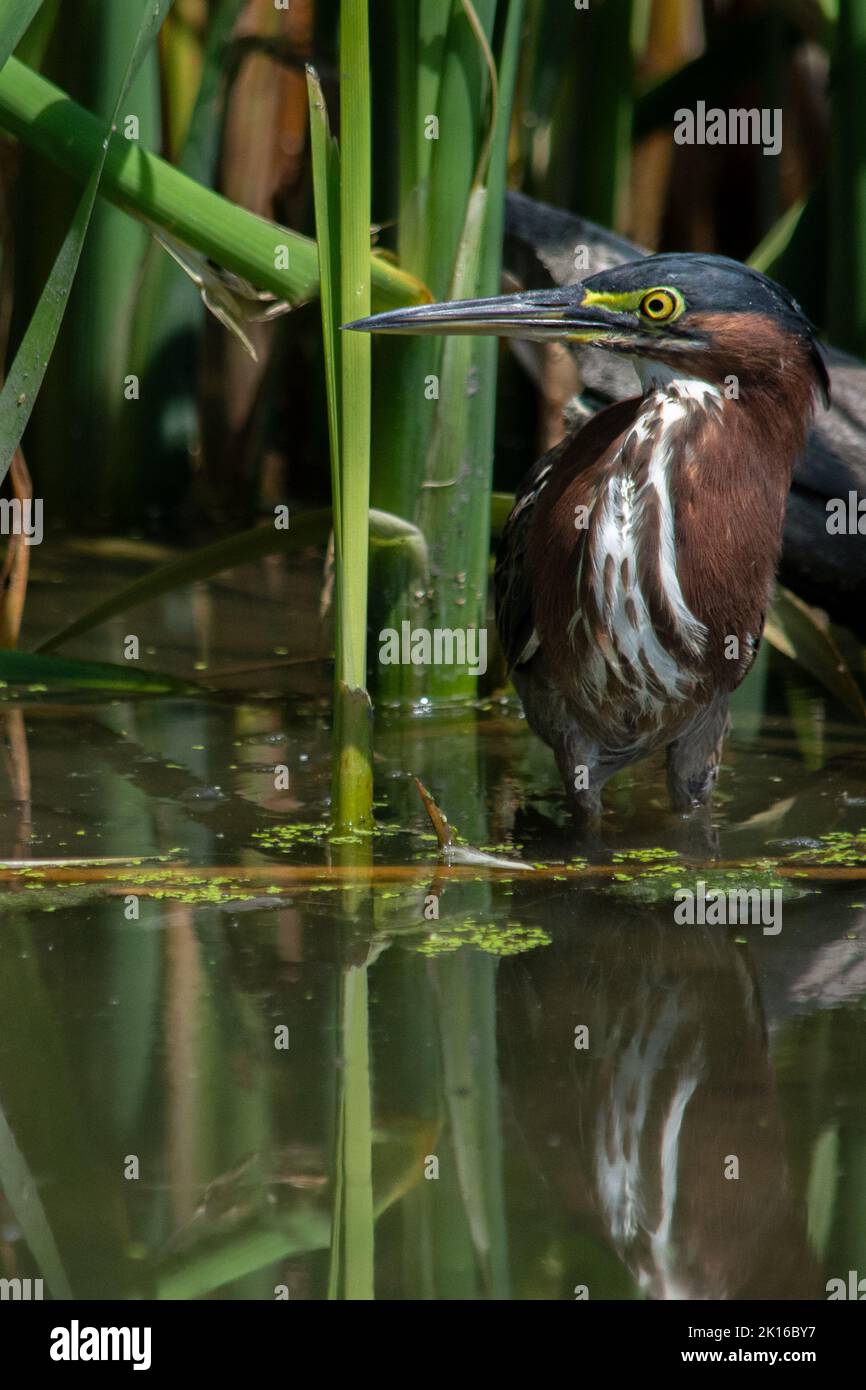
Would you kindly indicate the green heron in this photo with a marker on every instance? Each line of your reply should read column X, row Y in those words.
column 635, row 569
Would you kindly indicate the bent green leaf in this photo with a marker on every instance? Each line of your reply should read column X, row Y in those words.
column 308, row 528
column 55, row 674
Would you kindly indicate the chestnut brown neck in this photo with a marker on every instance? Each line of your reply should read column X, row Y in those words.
column 729, row 478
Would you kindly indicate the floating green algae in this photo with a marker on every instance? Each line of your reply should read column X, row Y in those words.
column 496, row 939
column 285, row 836
column 657, row 883
column 846, row 848
column 643, row 856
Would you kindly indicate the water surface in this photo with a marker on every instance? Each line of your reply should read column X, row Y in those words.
column 507, row 1085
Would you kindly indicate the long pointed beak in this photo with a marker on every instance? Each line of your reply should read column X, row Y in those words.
column 538, row 314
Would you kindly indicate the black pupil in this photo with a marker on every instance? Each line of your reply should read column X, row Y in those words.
column 657, row 306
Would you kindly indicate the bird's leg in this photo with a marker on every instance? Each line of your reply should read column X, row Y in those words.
column 693, row 758
column 581, row 776
column 577, row 756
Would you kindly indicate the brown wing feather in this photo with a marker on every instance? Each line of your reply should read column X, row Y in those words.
column 513, row 584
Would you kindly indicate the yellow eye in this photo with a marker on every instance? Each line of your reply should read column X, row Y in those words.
column 659, row 305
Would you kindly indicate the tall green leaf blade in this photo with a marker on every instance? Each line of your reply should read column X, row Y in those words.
column 343, row 234
column 85, row 383
column 454, row 504
column 326, row 185
column 16, row 17
column 355, row 350
column 31, row 360
column 32, row 48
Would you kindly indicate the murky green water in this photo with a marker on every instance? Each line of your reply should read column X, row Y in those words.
column 552, row 1086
